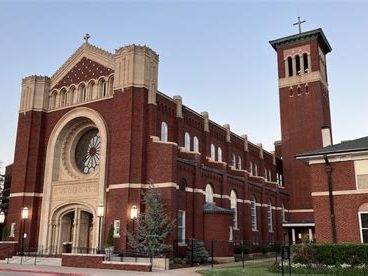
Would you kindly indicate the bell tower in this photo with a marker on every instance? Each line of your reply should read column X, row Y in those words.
column 305, row 112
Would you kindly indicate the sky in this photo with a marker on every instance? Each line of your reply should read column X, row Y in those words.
column 215, row 54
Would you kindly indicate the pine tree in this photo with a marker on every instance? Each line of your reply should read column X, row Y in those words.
column 200, row 254
column 153, row 227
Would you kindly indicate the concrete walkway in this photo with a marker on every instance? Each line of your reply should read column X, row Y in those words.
column 32, row 270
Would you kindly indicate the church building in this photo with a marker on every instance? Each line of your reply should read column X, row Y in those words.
column 98, row 133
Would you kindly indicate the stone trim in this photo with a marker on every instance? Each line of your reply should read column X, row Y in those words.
column 342, row 192
column 301, row 211
column 26, row 194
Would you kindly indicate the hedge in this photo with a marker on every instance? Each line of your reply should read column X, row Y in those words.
column 330, row 254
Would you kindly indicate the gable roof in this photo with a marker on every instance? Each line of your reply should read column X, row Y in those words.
column 356, row 145
column 88, row 51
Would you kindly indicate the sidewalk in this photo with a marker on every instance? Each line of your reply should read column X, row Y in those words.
column 14, row 269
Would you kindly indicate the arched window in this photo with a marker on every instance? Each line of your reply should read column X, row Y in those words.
column 251, row 168
column 182, row 184
column 297, row 63
column 91, row 88
column 102, row 88
column 82, row 93
column 63, row 95
column 209, row 193
column 255, row 170
column 164, row 132
column 283, row 213
column 111, row 85
column 213, row 152
column 53, row 99
column 233, row 206
column 269, row 217
column 239, row 163
column 233, row 160
column 195, row 144
column 71, row 95
column 187, row 141
column 219, row 154
column 305, row 61
column 269, row 175
column 290, row 66
column 253, row 213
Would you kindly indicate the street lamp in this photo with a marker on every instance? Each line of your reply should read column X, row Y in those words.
column 100, row 213
column 2, row 217
column 24, row 217
column 133, row 214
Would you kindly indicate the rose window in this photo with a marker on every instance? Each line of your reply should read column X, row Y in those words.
column 87, row 152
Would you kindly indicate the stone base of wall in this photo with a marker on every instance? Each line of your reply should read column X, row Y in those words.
column 7, row 248
column 96, row 261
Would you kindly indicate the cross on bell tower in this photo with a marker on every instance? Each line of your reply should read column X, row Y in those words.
column 299, row 23
column 86, row 37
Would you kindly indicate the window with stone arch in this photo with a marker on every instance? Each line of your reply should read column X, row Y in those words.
column 233, row 160
column 219, row 154
column 290, row 66
column 82, row 93
column 239, row 163
column 251, row 168
column 209, row 193
column 233, row 206
column 363, row 222
column 195, row 144
column 269, row 217
column 253, row 213
column 164, row 132
column 297, row 64
column 213, row 152
column 102, row 88
column 182, row 184
column 283, row 213
column 305, row 61
column 187, row 141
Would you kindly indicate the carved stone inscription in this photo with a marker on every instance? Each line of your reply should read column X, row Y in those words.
column 80, row 190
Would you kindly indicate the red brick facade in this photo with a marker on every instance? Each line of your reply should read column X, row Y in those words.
column 134, row 155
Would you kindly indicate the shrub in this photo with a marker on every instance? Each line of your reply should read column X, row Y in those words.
column 200, row 254
column 330, row 254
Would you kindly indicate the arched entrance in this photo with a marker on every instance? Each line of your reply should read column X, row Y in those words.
column 72, row 230
column 74, row 183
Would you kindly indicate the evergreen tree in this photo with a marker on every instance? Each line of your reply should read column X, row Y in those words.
column 200, row 254
column 153, row 227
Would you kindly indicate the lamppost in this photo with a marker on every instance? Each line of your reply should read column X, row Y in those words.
column 100, row 213
column 2, row 219
column 133, row 214
column 24, row 217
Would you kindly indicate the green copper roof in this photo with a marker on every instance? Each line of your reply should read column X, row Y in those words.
column 305, row 36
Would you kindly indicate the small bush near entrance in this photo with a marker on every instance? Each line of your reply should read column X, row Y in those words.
column 330, row 254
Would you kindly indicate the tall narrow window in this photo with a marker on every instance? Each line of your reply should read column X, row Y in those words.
column 219, row 154
column 364, row 227
column 187, row 141
column 253, row 213
column 283, row 213
column 305, row 61
column 209, row 193
column 181, row 226
column 239, row 163
column 251, row 168
column 269, row 217
column 265, row 174
column 269, row 175
column 290, row 66
column 195, row 144
column 297, row 63
column 255, row 170
column 233, row 206
column 233, row 160
column 213, row 152
column 164, row 132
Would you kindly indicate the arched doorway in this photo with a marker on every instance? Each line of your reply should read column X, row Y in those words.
column 72, row 230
